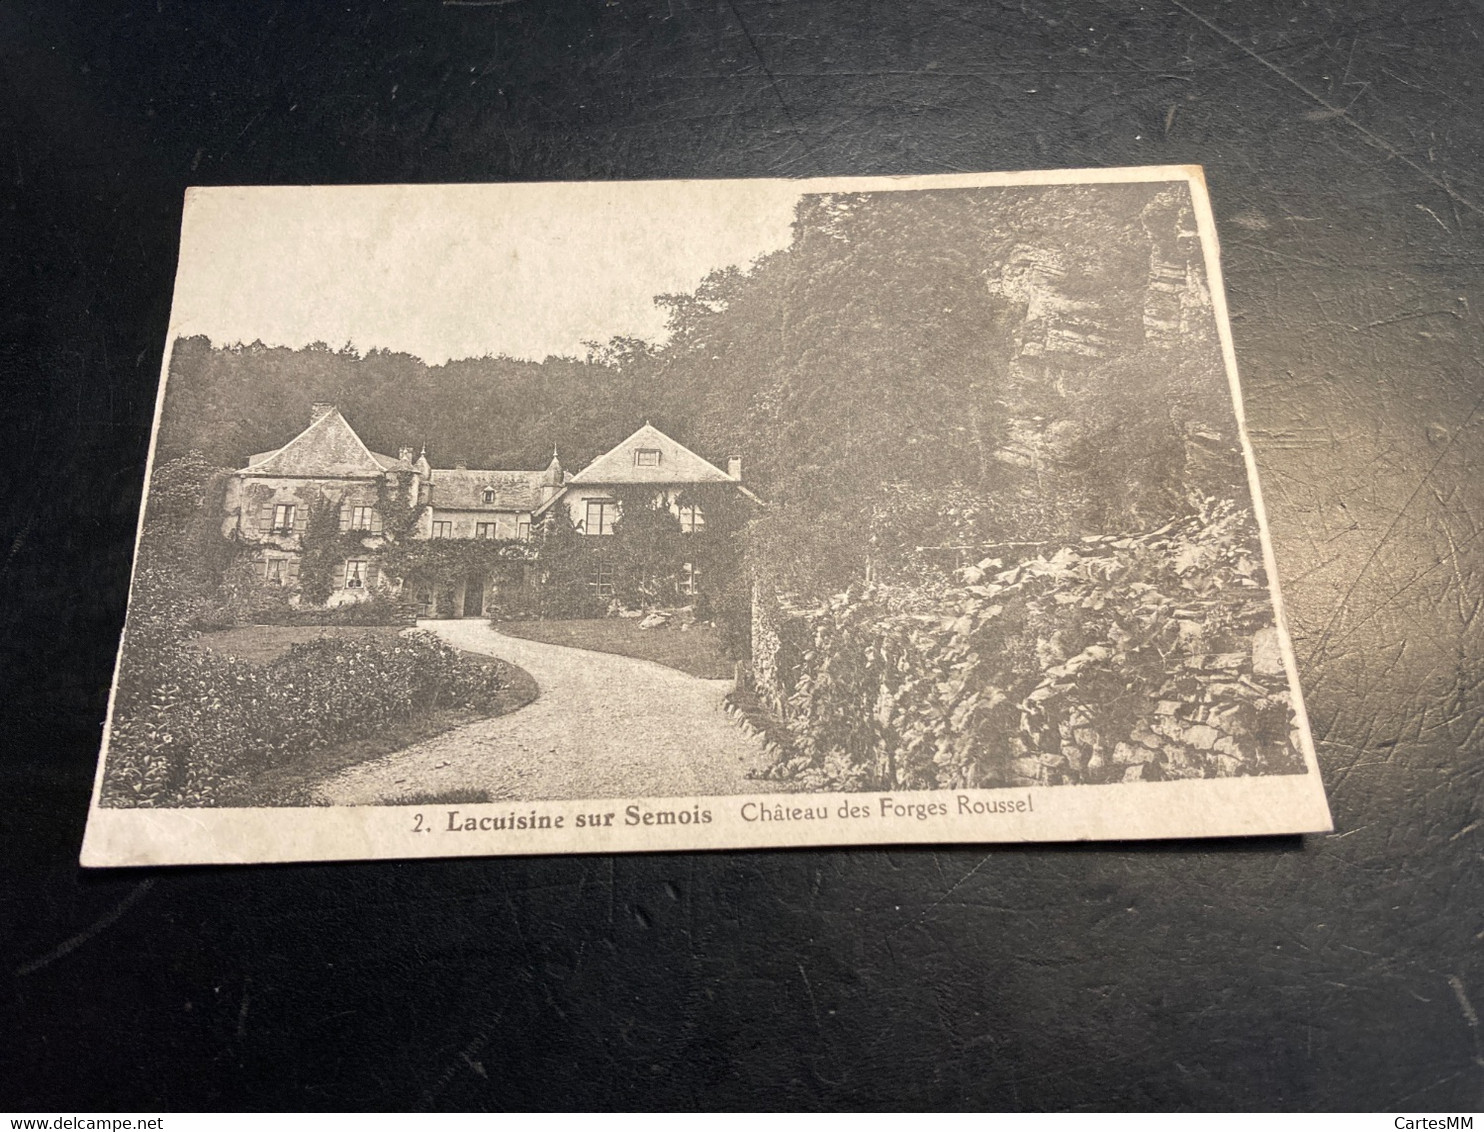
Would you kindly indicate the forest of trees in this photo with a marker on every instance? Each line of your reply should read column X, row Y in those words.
column 927, row 369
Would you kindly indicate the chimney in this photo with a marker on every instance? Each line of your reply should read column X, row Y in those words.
column 734, row 467
column 320, row 409
column 404, row 454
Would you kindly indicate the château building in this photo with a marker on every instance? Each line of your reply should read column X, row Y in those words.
column 269, row 502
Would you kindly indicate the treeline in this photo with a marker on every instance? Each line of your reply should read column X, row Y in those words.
column 930, row 370
column 227, row 402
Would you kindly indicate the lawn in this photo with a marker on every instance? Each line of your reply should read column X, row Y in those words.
column 697, row 650
column 293, row 784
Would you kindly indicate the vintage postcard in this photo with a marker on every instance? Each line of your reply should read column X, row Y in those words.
column 565, row 518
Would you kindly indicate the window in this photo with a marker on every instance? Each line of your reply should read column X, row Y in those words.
column 600, row 578
column 601, row 515
column 646, row 457
column 359, row 518
column 691, row 519
column 689, row 581
column 489, row 495
column 443, row 529
column 281, row 571
column 355, row 574
column 487, row 530
column 523, row 530
column 283, row 519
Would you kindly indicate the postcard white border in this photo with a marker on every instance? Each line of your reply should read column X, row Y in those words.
column 1223, row 807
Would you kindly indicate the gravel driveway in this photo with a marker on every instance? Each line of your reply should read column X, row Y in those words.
column 604, row 726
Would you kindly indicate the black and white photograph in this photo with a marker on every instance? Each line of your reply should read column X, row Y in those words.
column 601, row 516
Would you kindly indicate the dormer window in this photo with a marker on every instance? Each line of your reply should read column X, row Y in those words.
column 489, row 495
column 646, row 457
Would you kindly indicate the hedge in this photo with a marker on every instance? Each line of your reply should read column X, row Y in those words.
column 189, row 723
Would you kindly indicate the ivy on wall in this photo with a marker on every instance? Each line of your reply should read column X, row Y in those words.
column 645, row 550
column 397, row 504
column 323, row 547
column 564, row 568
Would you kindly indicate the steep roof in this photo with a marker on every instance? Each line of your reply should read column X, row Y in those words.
column 677, row 463
column 328, row 447
column 462, row 489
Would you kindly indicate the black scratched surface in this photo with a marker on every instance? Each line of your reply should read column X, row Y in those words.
column 1342, row 144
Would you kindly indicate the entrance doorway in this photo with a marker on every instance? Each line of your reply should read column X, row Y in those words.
column 474, row 595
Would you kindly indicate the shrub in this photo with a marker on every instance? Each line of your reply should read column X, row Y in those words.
column 189, row 723
column 443, row 606
column 1115, row 659
column 380, row 607
column 514, row 603
column 243, row 598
